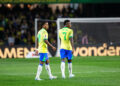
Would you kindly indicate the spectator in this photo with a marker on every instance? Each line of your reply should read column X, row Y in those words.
column 18, row 22
column 11, row 40
column 85, row 39
column 57, row 11
column 1, row 42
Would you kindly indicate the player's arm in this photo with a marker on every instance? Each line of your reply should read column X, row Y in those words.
column 59, row 36
column 72, row 44
column 36, row 44
column 47, row 42
column 36, row 47
column 71, row 40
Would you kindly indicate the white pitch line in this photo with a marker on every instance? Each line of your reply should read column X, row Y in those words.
column 20, row 74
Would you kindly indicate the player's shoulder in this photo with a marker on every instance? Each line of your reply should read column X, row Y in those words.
column 70, row 30
column 60, row 30
column 39, row 32
column 44, row 31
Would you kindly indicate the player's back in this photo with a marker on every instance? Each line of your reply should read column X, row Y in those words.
column 65, row 34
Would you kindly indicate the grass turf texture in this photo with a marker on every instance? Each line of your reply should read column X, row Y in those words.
column 89, row 71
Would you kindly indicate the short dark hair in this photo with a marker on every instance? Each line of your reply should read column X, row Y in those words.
column 66, row 21
column 43, row 22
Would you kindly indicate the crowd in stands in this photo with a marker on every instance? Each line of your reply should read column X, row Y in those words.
column 17, row 23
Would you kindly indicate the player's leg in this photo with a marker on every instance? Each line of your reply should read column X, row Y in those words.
column 40, row 66
column 62, row 66
column 47, row 66
column 70, row 56
column 62, row 55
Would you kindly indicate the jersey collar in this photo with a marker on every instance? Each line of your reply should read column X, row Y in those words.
column 43, row 29
column 66, row 27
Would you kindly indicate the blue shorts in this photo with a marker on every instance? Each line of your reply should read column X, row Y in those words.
column 66, row 54
column 43, row 57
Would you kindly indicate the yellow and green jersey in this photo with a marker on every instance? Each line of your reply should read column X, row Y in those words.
column 42, row 46
column 65, row 34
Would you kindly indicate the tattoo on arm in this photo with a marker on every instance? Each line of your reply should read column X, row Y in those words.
column 48, row 43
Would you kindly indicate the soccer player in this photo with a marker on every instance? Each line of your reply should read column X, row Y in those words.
column 67, row 47
column 42, row 44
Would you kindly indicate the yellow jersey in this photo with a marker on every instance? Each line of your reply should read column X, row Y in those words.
column 42, row 46
column 65, row 34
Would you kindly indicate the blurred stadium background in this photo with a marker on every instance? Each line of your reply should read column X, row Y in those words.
column 97, row 45
column 17, row 23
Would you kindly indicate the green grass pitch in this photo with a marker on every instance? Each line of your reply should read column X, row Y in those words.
column 89, row 71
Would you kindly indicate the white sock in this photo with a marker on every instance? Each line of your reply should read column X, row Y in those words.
column 63, row 68
column 39, row 70
column 47, row 66
column 70, row 68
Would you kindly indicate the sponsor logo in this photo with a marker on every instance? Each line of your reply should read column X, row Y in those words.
column 103, row 50
column 28, row 52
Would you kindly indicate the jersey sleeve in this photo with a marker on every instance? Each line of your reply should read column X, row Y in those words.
column 45, row 35
column 71, row 34
column 59, row 34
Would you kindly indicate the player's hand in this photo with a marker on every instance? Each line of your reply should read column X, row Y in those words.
column 36, row 51
column 54, row 48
